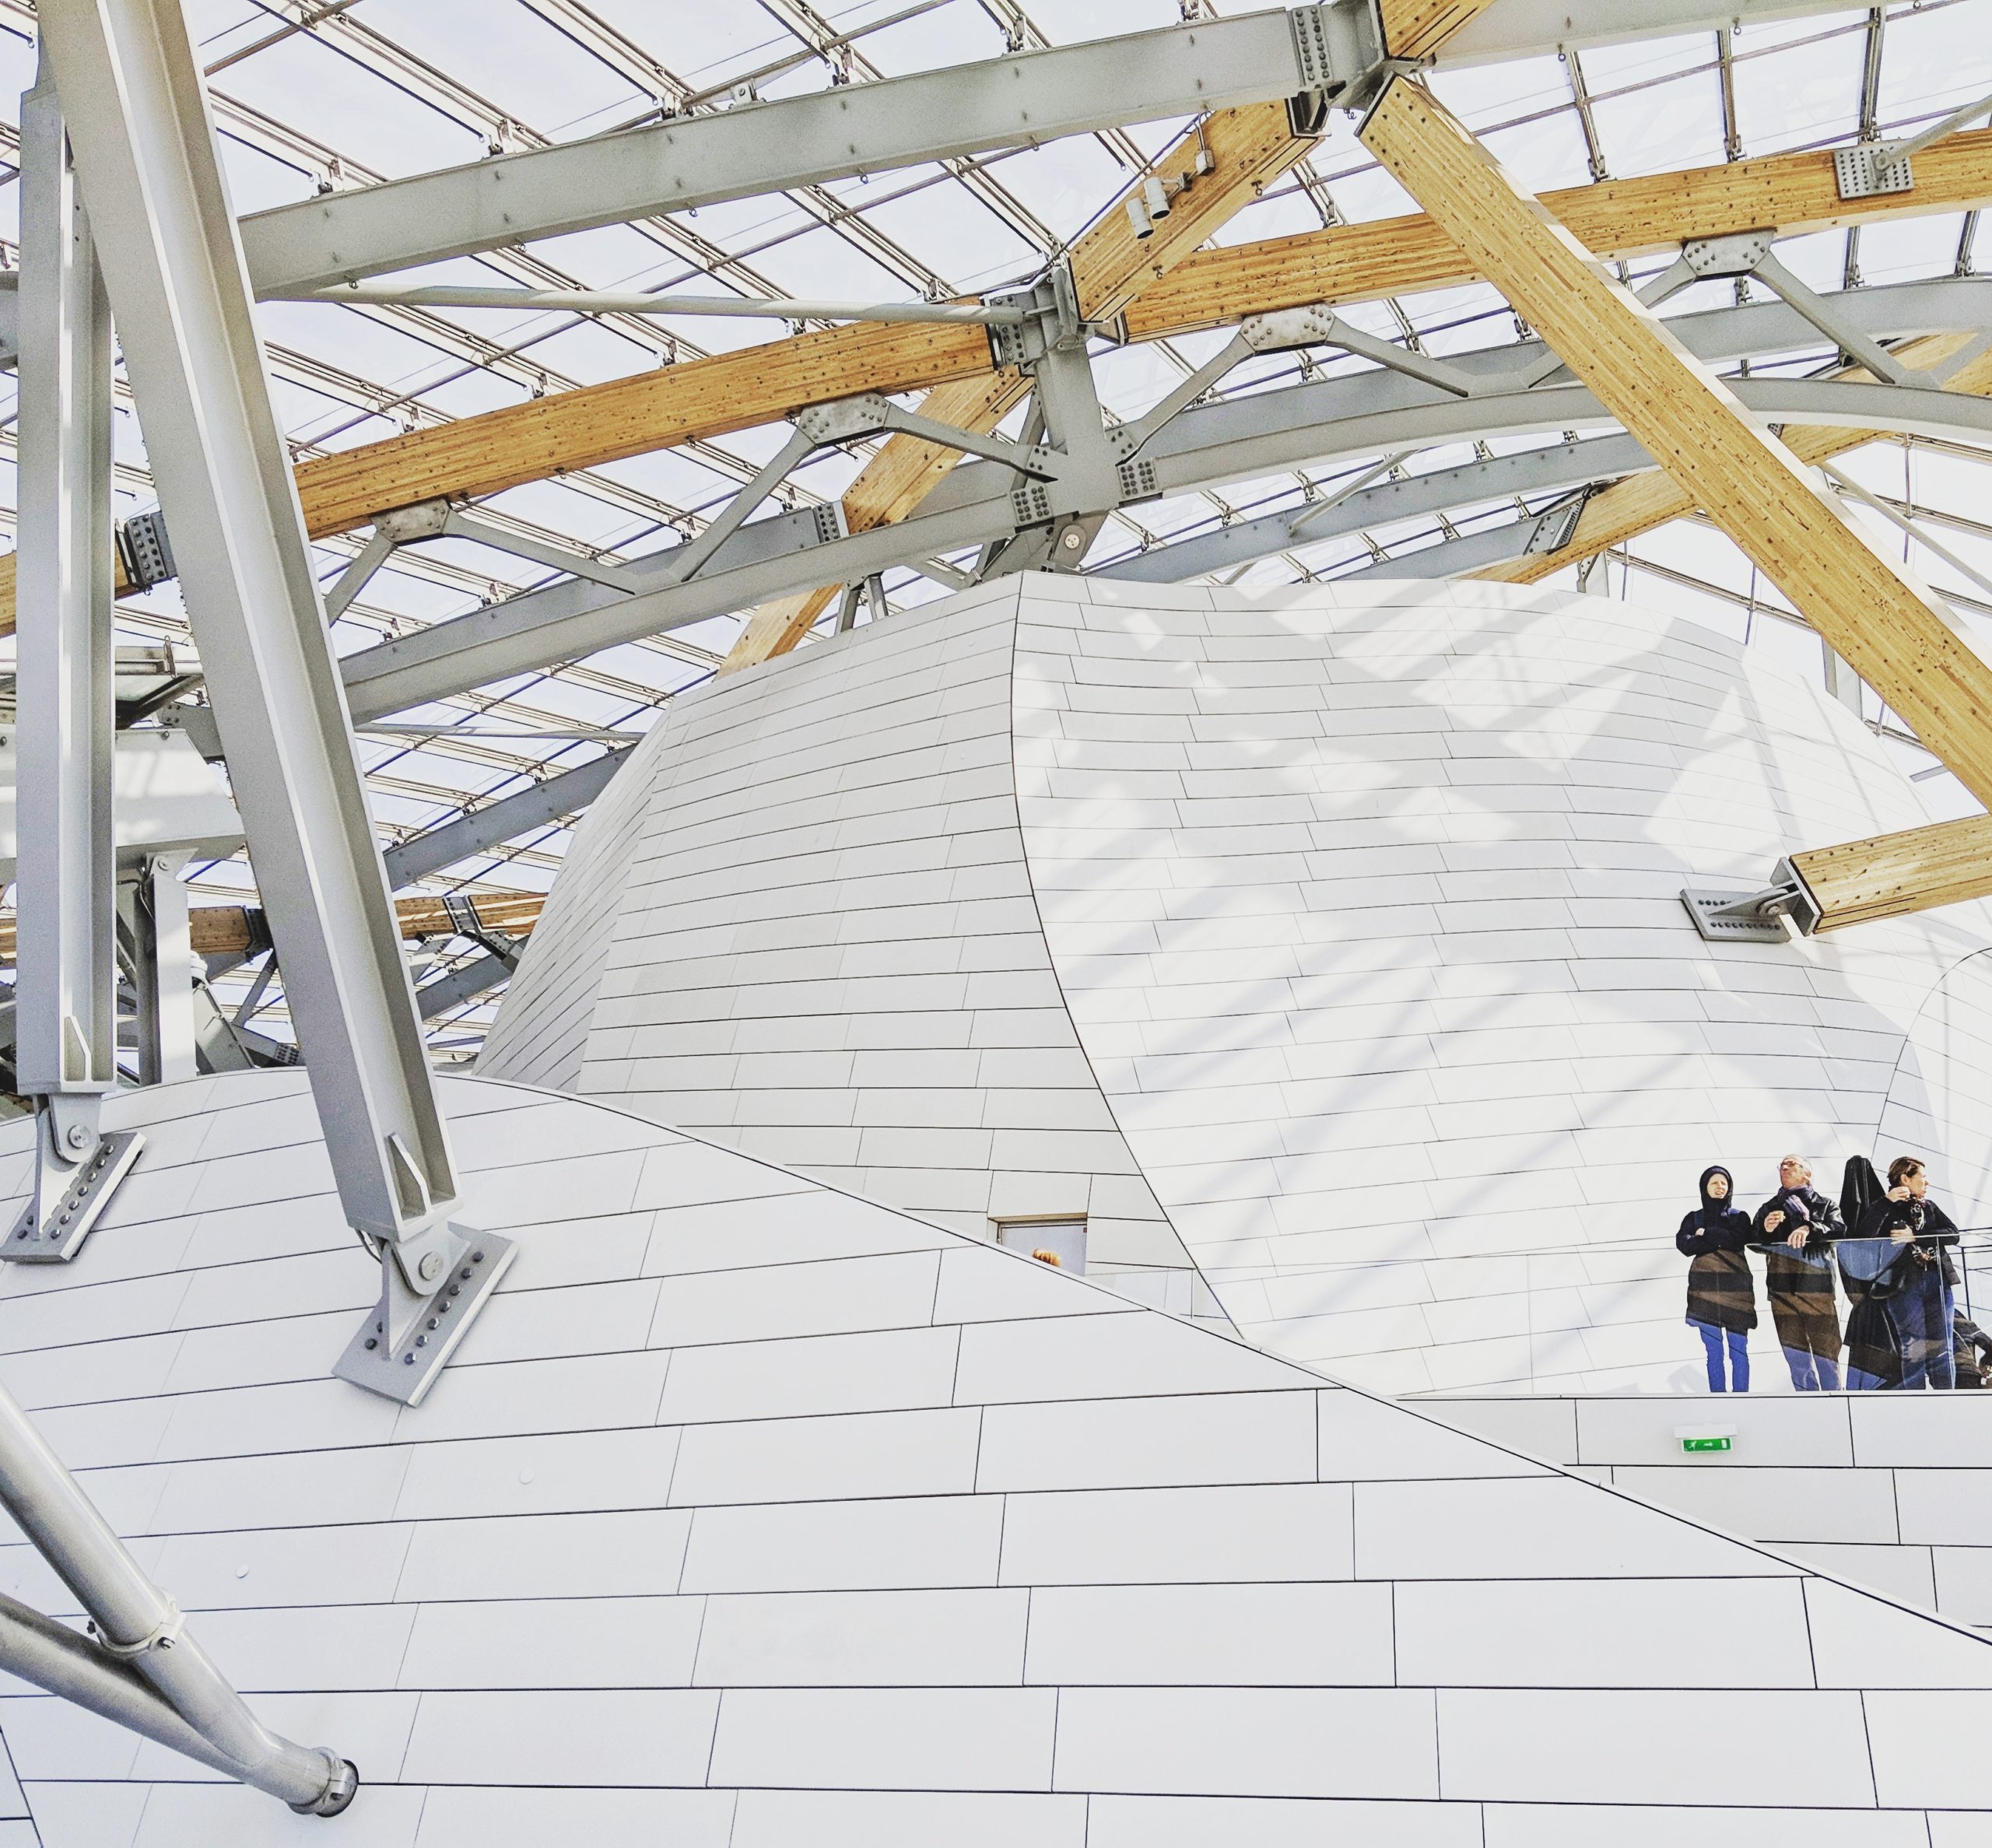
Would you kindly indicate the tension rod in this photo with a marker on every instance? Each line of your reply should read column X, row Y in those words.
column 143, row 1661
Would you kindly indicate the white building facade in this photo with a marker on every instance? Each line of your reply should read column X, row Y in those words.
column 1334, row 933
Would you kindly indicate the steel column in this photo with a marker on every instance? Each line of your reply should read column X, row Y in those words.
column 144, row 150
column 67, row 1055
column 161, row 959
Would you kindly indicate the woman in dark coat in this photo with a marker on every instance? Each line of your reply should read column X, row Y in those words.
column 1922, row 1304
column 1797, row 1225
column 1722, row 1295
column 1872, row 1271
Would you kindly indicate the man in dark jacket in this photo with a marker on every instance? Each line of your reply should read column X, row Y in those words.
column 1796, row 1226
column 1722, row 1295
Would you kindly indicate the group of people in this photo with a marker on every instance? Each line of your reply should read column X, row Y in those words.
column 1889, row 1247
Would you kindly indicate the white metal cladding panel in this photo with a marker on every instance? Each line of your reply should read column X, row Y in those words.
column 541, row 1026
column 696, row 1541
column 1892, row 1490
column 1365, row 902
column 806, row 929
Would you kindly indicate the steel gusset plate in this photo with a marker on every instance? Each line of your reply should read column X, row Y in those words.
column 69, row 1219
column 405, row 1342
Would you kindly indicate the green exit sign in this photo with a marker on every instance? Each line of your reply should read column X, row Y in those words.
column 1705, row 1443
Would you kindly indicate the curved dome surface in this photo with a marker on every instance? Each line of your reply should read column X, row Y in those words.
column 750, row 1513
column 1363, row 901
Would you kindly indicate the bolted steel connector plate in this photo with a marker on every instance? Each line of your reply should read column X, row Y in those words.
column 1724, row 917
column 404, row 1345
column 71, row 1216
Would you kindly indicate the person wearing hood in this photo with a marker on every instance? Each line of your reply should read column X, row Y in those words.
column 1871, row 1271
column 1923, row 1303
column 1796, row 1226
column 1722, row 1294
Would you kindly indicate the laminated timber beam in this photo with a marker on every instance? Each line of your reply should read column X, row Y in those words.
column 1891, row 875
column 239, row 930
column 1418, row 28
column 1628, row 509
column 1110, row 267
column 1237, row 439
column 698, row 399
column 1892, row 629
column 728, row 392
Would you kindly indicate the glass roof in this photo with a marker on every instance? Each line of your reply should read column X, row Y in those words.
column 312, row 98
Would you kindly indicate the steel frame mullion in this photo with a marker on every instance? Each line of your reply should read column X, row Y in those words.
column 144, row 150
column 66, row 1058
column 65, row 701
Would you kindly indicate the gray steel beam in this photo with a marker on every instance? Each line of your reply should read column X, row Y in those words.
column 1021, row 99
column 538, row 807
column 1511, row 29
column 1365, row 413
column 1438, row 491
column 145, row 153
column 465, row 983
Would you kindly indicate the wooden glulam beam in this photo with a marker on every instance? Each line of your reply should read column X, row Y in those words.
column 225, row 930
column 593, row 425
column 1891, row 875
column 1418, row 28
column 1890, row 628
column 1789, row 193
column 1110, row 267
column 597, row 424
column 1643, row 502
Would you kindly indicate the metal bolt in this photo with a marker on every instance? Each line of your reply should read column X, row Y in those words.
column 1071, row 540
column 456, row 1289
column 76, row 1136
column 431, row 1267
column 371, row 1343
column 465, row 1273
column 442, row 1309
column 408, row 1359
column 421, row 1341
column 477, row 1257
column 433, row 1322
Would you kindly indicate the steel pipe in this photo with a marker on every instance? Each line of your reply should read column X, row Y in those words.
column 612, row 301
column 142, row 1640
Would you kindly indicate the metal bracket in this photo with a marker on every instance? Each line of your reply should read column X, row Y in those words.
column 1737, row 254
column 1556, row 526
column 73, row 1185
column 1319, row 325
column 1869, row 171
column 408, row 1339
column 1051, row 320
column 1343, row 61
column 145, row 550
column 1753, row 916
